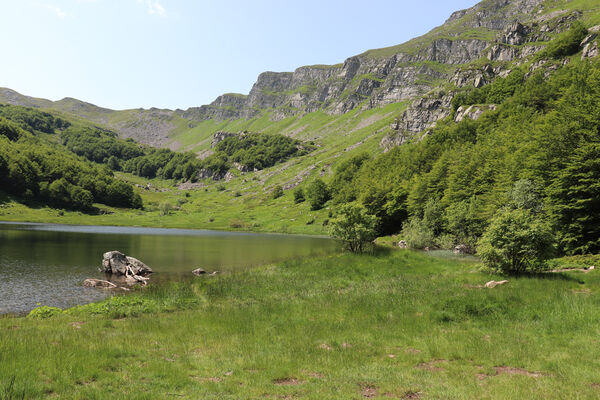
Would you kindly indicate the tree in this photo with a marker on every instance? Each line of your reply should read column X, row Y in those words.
column 299, row 196
column 354, row 226
column 317, row 194
column 525, row 194
column 575, row 201
column 277, row 192
column 516, row 241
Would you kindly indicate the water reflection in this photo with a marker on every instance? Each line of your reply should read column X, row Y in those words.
column 46, row 263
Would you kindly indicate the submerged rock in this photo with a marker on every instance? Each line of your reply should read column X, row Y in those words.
column 99, row 283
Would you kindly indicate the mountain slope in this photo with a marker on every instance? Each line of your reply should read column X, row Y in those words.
column 471, row 48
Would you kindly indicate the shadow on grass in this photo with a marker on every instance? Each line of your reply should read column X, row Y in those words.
column 551, row 276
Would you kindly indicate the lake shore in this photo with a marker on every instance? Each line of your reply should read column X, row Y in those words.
column 396, row 325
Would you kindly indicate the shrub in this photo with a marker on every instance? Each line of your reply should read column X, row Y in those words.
column 299, row 196
column 165, row 208
column 567, row 43
column 277, row 192
column 317, row 194
column 417, row 234
column 44, row 312
column 354, row 226
column 516, row 241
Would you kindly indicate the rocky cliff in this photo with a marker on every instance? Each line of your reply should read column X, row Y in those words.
column 471, row 48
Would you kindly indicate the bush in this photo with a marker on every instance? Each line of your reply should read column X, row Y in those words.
column 44, row 312
column 516, row 241
column 277, row 192
column 299, row 196
column 317, row 194
column 165, row 208
column 567, row 43
column 417, row 234
column 355, row 227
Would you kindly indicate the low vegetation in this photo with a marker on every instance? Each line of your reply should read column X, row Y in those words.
column 398, row 325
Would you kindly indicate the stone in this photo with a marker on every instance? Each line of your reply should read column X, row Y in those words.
column 198, row 271
column 402, row 244
column 99, row 283
column 590, row 46
column 461, row 249
column 117, row 263
column 493, row 284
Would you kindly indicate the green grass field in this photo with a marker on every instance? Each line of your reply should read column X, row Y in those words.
column 395, row 325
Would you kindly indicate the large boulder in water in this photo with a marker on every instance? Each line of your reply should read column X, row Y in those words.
column 117, row 263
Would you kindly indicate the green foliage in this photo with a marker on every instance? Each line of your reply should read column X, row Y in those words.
column 538, row 151
column 342, row 186
column 256, row 151
column 526, row 195
column 104, row 147
column 575, row 200
column 32, row 120
column 354, row 227
column 165, row 208
column 44, row 312
column 495, row 93
column 317, row 194
column 277, row 192
column 516, row 241
column 299, row 196
column 417, row 234
column 567, row 43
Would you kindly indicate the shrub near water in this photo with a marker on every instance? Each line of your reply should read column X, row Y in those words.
column 516, row 241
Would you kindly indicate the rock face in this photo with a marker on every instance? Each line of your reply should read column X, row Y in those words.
column 590, row 44
column 501, row 31
column 117, row 263
column 472, row 112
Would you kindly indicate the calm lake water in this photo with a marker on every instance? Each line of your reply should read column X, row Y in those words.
column 47, row 263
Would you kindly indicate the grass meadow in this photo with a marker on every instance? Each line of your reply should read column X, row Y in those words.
column 398, row 324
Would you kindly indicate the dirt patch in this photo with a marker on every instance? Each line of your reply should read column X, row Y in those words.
column 287, row 382
column 582, row 291
column 504, row 370
column 368, row 391
column 433, row 365
column 595, row 385
column 325, row 346
column 412, row 395
column 469, row 286
column 517, row 371
column 412, row 351
column 346, row 346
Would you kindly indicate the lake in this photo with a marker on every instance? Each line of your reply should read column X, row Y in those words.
column 46, row 263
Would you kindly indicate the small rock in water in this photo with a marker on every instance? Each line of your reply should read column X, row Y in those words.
column 98, row 283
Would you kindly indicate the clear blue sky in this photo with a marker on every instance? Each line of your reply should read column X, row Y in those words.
column 181, row 53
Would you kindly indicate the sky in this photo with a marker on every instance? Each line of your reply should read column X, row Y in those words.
column 123, row 54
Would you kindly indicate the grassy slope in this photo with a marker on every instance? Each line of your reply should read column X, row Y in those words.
column 350, row 327
column 210, row 208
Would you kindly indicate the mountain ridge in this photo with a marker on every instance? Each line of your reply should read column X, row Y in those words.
column 493, row 32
